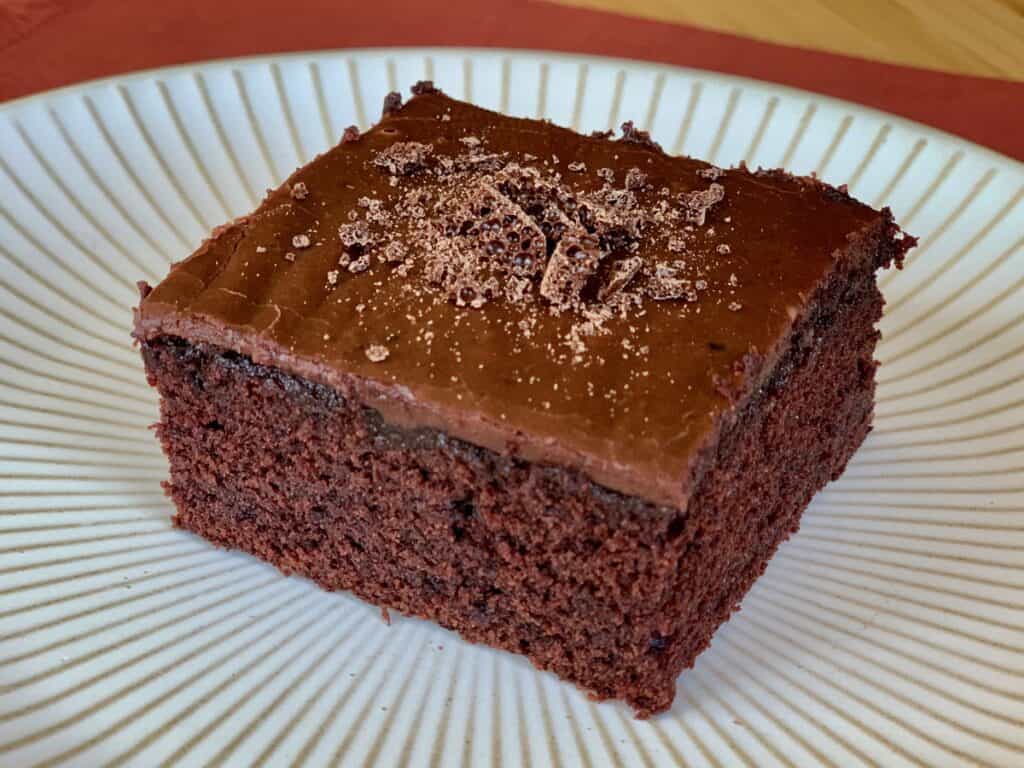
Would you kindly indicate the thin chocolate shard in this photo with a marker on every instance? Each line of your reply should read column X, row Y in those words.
column 483, row 245
column 621, row 275
column 350, row 134
column 392, row 104
column 697, row 203
column 575, row 260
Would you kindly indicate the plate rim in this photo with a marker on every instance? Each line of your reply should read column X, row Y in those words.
column 12, row 105
column 833, row 734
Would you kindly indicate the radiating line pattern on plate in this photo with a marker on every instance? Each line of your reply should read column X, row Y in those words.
column 889, row 630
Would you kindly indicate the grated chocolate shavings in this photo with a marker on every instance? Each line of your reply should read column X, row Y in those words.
column 300, row 241
column 377, row 353
column 355, row 236
column 577, row 166
column 261, row 249
column 735, row 306
column 359, row 264
column 635, row 179
column 299, row 191
column 350, row 134
column 394, row 252
column 712, row 172
column 404, row 158
column 607, row 174
column 289, row 256
column 332, row 277
column 676, row 244
column 724, row 249
column 666, row 284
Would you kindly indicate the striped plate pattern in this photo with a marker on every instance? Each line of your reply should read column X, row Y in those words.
column 889, row 631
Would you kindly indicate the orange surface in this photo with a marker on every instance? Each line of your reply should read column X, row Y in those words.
column 48, row 43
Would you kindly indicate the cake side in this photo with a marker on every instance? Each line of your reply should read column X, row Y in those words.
column 606, row 590
column 670, row 260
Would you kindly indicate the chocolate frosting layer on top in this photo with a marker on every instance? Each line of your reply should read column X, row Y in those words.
column 571, row 299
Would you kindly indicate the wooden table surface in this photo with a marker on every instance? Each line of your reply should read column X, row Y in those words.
column 969, row 37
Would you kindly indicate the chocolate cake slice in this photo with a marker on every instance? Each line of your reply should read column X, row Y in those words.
column 564, row 395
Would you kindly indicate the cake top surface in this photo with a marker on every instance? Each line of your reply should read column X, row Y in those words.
column 574, row 299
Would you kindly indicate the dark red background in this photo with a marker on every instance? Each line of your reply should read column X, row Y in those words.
column 48, row 43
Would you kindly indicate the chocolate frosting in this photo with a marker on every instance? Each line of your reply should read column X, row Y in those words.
column 330, row 278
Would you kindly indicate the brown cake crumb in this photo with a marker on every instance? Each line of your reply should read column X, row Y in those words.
column 377, row 353
column 633, row 135
column 392, row 103
column 712, row 172
column 424, row 87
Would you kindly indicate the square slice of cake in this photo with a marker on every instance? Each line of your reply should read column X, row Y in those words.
column 562, row 394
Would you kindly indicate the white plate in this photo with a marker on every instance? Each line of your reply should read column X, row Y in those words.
column 889, row 630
